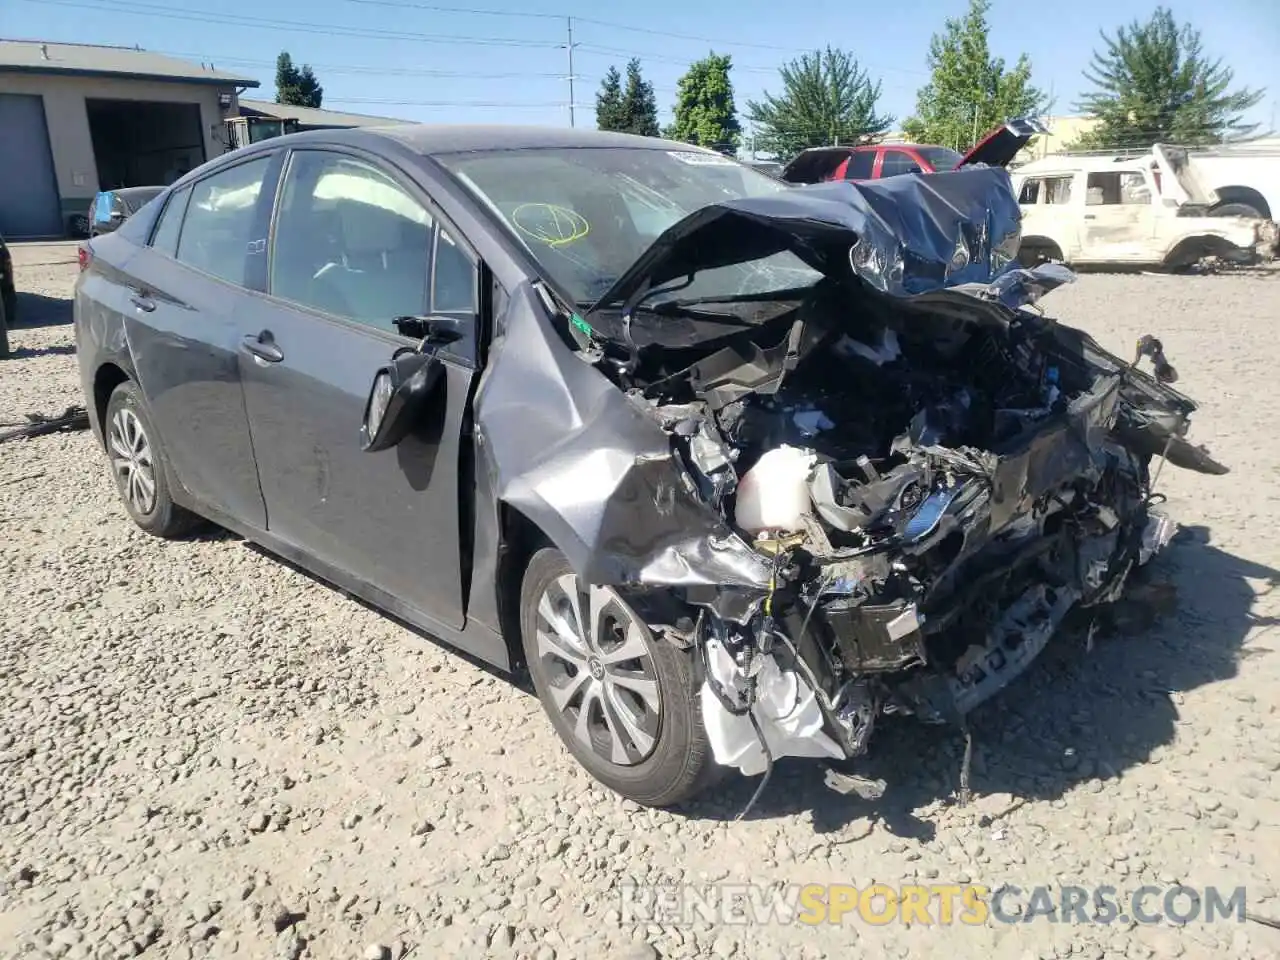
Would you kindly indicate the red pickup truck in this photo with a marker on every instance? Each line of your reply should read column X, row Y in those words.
column 873, row 161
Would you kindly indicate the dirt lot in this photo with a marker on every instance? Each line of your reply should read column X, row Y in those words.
column 206, row 753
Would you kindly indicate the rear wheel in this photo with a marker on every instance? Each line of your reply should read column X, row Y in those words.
column 1235, row 210
column 4, row 331
column 624, row 703
column 139, row 466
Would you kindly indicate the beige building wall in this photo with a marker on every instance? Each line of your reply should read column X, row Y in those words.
column 1063, row 131
column 67, row 120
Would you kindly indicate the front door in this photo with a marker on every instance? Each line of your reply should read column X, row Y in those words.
column 353, row 248
column 1119, row 218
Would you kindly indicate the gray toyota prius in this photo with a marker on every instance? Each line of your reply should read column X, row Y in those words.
column 734, row 469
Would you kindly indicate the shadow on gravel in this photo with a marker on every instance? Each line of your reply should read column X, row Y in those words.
column 1074, row 715
column 37, row 310
column 519, row 680
column 27, row 352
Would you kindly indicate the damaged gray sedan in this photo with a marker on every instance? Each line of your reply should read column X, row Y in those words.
column 734, row 468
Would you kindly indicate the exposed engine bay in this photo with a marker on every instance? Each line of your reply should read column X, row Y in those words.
column 878, row 486
column 935, row 487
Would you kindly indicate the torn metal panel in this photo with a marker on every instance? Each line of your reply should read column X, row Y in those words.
column 577, row 458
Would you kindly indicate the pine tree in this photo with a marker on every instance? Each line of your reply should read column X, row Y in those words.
column 609, row 110
column 1154, row 83
column 639, row 105
column 970, row 91
column 295, row 86
column 827, row 98
column 704, row 111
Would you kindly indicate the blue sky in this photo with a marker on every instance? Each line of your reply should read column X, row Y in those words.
column 504, row 61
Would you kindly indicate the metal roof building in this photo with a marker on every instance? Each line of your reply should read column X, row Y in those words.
column 79, row 118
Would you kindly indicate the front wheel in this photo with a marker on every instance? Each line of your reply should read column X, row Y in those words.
column 624, row 702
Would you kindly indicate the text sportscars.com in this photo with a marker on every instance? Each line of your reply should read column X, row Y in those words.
column 939, row 904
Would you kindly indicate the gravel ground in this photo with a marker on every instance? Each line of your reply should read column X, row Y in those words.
column 204, row 752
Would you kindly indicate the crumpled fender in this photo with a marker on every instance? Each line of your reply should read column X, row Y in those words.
column 566, row 448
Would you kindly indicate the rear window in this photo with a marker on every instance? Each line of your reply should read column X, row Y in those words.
column 861, row 165
column 220, row 219
column 165, row 239
column 940, row 158
column 898, row 162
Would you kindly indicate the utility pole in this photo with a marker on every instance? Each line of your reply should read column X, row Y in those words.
column 974, row 142
column 569, row 47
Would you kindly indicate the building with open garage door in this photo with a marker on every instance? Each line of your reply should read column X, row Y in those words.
column 76, row 119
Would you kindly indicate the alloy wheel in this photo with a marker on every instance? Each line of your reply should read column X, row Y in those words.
column 601, row 675
column 132, row 462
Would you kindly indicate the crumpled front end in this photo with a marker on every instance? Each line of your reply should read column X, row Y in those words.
column 884, row 497
column 933, row 496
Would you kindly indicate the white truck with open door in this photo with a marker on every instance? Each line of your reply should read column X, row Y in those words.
column 1152, row 210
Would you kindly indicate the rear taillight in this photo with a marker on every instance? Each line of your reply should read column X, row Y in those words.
column 86, row 256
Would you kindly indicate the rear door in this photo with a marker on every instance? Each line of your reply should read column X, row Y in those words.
column 354, row 245
column 1119, row 218
column 189, row 286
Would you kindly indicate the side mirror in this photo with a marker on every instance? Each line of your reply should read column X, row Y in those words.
column 400, row 392
column 432, row 331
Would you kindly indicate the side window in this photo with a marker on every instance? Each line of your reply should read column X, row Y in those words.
column 219, row 223
column 1030, row 192
column 1057, row 190
column 350, row 241
column 861, row 165
column 1121, row 187
column 165, row 239
column 454, row 278
column 897, row 162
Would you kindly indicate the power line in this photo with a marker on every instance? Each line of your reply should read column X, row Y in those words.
column 330, row 30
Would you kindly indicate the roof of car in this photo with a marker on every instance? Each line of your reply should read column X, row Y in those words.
column 1064, row 164
column 428, row 138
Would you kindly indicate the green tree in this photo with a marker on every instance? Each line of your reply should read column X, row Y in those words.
column 970, row 91
column 705, row 113
column 295, row 86
column 629, row 109
column 639, row 105
column 609, row 112
column 827, row 98
column 1154, row 83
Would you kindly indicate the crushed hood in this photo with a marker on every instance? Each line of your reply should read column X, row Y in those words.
column 901, row 235
column 1178, row 178
column 1001, row 145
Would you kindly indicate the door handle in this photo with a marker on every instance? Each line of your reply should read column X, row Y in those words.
column 1090, row 216
column 263, row 346
column 143, row 303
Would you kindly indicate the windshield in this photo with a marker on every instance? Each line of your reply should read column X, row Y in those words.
column 940, row 158
column 586, row 214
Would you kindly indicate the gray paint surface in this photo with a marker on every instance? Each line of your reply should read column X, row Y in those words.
column 28, row 190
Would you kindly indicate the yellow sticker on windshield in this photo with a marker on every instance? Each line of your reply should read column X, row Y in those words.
column 553, row 225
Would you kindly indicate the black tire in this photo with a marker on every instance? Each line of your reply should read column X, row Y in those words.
column 158, row 515
column 9, row 296
column 680, row 764
column 1033, row 254
column 4, row 328
column 1235, row 210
